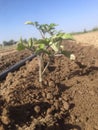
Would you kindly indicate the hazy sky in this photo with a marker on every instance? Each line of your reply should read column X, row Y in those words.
column 70, row 15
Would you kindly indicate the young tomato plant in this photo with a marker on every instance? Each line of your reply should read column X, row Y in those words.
column 53, row 41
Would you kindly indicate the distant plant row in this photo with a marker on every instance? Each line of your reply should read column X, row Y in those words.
column 85, row 31
column 13, row 42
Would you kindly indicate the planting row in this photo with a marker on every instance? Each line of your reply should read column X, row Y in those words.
column 7, row 61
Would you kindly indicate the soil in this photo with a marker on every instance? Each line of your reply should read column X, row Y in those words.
column 88, row 38
column 6, row 51
column 67, row 99
column 10, row 58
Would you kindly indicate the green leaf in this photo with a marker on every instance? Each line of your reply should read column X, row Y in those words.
column 30, row 43
column 66, row 53
column 36, row 24
column 54, row 46
column 29, row 22
column 43, row 41
column 53, row 25
column 41, row 46
column 67, row 36
column 40, row 50
column 20, row 47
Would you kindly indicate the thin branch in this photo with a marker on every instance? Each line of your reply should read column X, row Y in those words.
column 29, row 48
column 43, row 36
column 45, row 68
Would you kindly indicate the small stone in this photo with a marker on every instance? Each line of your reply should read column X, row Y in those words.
column 77, row 120
column 43, row 94
column 5, row 120
column 4, row 112
column 66, row 78
column 49, row 119
column 45, row 82
column 72, row 118
column 62, row 109
column 32, row 117
column 60, row 99
column 51, row 83
column 56, row 104
column 17, row 125
column 64, row 97
column 50, row 110
column 61, row 113
column 49, row 96
column 37, row 109
column 66, row 105
column 80, row 92
column 9, row 76
column 56, row 115
column 72, row 57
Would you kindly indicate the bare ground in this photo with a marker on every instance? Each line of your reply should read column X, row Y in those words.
column 90, row 38
column 66, row 100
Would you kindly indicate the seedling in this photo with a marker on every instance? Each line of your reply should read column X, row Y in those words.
column 20, row 45
column 40, row 47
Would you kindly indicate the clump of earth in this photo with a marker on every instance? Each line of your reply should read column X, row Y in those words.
column 67, row 99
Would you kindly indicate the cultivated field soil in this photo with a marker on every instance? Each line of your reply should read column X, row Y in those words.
column 10, row 57
column 67, row 99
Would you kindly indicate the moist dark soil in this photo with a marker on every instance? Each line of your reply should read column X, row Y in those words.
column 67, row 99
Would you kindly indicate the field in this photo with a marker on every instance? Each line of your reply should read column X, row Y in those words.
column 67, row 99
column 90, row 38
column 5, row 50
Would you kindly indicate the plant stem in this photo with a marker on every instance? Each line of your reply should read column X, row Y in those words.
column 40, row 67
column 43, row 36
column 45, row 68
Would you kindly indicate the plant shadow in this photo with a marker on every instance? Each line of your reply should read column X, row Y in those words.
column 62, row 87
column 64, row 127
column 21, row 115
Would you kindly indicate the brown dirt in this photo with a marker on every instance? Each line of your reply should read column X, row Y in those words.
column 89, row 38
column 9, row 59
column 66, row 100
column 6, row 52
